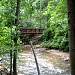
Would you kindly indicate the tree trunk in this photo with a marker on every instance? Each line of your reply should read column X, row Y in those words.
column 17, row 11
column 40, row 13
column 11, row 41
column 15, row 39
column 71, row 33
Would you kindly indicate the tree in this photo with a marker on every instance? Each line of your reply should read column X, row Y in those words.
column 56, row 24
column 15, row 38
column 71, row 33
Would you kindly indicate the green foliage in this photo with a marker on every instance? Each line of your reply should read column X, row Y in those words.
column 57, row 37
column 53, row 19
column 4, row 39
column 4, row 35
column 47, row 34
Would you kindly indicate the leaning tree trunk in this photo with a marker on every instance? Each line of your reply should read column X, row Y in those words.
column 71, row 33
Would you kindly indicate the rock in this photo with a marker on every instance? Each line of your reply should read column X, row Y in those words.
column 0, row 58
column 3, row 71
column 66, row 58
column 0, row 67
column 38, row 46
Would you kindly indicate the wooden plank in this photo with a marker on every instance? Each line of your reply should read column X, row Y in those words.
column 31, row 30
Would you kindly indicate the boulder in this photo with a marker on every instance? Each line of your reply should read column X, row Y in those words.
column 3, row 71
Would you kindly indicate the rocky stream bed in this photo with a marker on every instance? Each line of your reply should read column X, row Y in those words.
column 51, row 62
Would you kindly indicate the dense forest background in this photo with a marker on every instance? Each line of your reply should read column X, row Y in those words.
column 49, row 14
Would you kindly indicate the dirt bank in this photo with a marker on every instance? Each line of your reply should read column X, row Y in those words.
column 63, row 55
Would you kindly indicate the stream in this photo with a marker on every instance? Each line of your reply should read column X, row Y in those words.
column 49, row 63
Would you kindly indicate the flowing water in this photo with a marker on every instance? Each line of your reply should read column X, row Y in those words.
column 49, row 64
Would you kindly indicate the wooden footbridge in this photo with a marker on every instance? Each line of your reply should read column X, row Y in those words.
column 31, row 30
